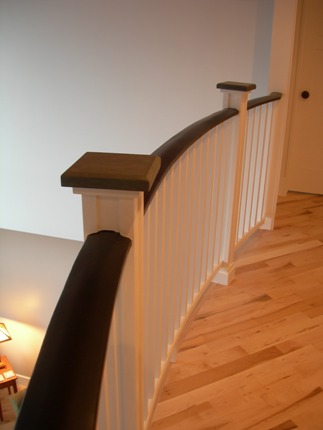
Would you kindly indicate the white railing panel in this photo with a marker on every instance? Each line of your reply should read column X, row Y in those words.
column 210, row 200
column 217, row 200
column 171, row 258
column 275, row 155
column 156, row 310
column 198, row 220
column 252, row 207
column 182, row 227
column 195, row 172
column 184, row 235
column 258, row 144
column 150, row 300
column 254, row 136
column 245, row 203
column 110, row 415
column 111, row 384
column 265, row 162
column 209, row 188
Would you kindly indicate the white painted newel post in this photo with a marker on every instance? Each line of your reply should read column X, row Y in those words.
column 235, row 95
column 112, row 188
column 121, row 211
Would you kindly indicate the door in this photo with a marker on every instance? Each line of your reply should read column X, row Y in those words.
column 305, row 151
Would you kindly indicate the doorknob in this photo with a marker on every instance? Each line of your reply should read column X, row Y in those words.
column 305, row 94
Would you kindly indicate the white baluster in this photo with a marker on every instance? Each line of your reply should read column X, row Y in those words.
column 234, row 96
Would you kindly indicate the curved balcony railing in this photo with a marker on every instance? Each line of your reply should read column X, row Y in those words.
column 186, row 209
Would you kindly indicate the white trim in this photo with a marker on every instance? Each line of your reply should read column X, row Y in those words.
column 225, row 275
column 23, row 380
column 282, row 63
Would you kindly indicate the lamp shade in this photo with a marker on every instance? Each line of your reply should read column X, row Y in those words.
column 4, row 334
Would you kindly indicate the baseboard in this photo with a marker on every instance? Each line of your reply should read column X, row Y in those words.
column 23, row 380
column 268, row 223
column 225, row 275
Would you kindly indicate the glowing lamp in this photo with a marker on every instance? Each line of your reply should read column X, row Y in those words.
column 4, row 336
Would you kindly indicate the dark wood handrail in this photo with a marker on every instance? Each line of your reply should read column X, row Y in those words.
column 111, row 171
column 63, row 393
column 253, row 103
column 171, row 150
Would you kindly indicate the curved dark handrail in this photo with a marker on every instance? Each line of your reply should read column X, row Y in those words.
column 253, row 103
column 64, row 390
column 171, row 150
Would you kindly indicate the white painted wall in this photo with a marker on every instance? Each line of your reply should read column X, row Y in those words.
column 262, row 48
column 99, row 75
column 109, row 75
column 33, row 272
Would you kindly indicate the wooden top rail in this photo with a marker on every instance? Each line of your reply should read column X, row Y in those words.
column 111, row 171
column 64, row 390
column 245, row 87
column 171, row 150
column 253, row 103
column 135, row 172
column 236, row 86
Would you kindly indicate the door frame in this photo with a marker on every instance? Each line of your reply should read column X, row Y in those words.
column 282, row 75
column 293, row 95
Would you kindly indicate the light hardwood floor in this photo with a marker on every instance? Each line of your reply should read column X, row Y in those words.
column 253, row 357
column 9, row 417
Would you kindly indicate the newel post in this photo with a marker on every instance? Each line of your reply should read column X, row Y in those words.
column 112, row 188
column 235, row 95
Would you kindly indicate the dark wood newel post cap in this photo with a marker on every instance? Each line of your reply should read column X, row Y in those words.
column 99, row 170
column 236, row 86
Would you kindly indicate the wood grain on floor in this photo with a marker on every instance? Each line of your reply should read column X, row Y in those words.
column 253, row 356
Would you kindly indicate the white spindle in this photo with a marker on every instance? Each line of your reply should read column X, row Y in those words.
column 198, row 221
column 259, row 148
column 266, row 161
column 213, row 171
column 262, row 166
column 255, row 176
column 205, row 272
column 170, row 259
column 244, row 209
column 275, row 155
column 179, row 233
column 217, row 199
column 184, row 225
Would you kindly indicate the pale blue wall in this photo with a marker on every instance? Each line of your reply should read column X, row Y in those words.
column 97, row 75
column 109, row 75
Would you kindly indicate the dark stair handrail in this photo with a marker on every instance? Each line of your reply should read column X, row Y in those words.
column 64, row 390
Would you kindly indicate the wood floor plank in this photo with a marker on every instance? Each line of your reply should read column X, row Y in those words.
column 306, row 414
column 202, row 358
column 250, row 311
column 253, row 357
column 279, row 251
column 246, row 390
column 286, row 425
column 220, row 372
